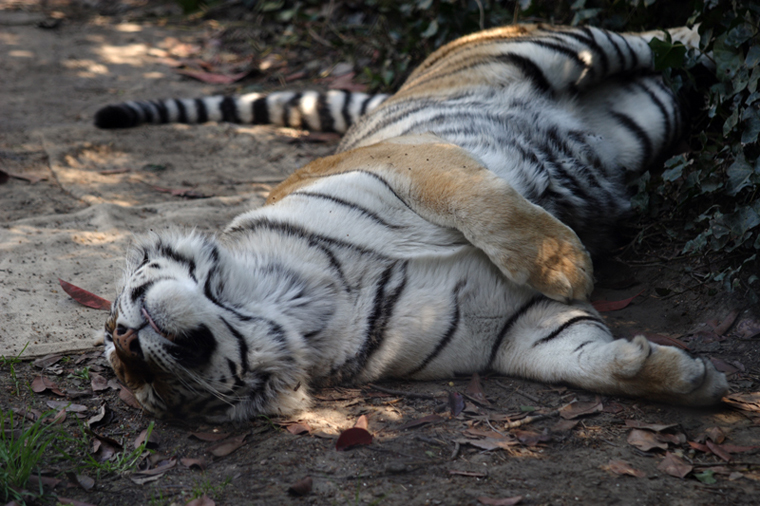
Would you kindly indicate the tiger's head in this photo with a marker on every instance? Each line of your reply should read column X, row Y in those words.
column 181, row 337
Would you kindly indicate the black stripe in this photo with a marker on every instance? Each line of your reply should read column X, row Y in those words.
column 326, row 121
column 365, row 104
column 163, row 113
column 447, row 336
column 582, row 345
column 136, row 293
column 171, row 253
column 242, row 345
column 620, row 54
column 530, row 70
column 572, row 55
column 663, row 110
column 511, row 323
column 194, row 348
column 347, row 95
column 350, row 205
column 181, row 111
column 147, row 111
column 636, row 131
column 566, row 325
column 200, row 110
column 228, row 107
column 260, row 111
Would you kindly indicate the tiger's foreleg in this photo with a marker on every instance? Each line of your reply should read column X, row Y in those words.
column 447, row 186
column 585, row 354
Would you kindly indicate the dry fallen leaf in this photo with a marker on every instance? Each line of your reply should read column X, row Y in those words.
column 210, row 436
column 604, row 305
column 475, row 390
column 531, row 438
column 203, row 500
column 97, row 382
column 748, row 328
column 192, row 463
column 301, row 487
column 153, row 440
column 84, row 297
column 41, row 384
column 456, row 404
column 749, row 401
column 664, row 340
column 362, row 422
column 623, row 468
column 421, row 421
column 129, row 399
column 298, row 428
column 472, row 474
column 67, row 405
column 227, row 446
column 645, row 441
column 576, row 409
column 657, row 427
column 674, row 466
column 718, row 450
column 716, row 434
column 354, row 436
column 489, row 443
column 507, row 501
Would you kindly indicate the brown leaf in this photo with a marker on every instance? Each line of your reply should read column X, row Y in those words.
column 354, row 436
column 298, row 428
column 645, row 441
column 748, row 328
column 749, row 401
column 724, row 367
column 475, row 390
column 84, row 297
column 82, row 480
column 716, row 434
column 531, row 438
column 345, row 82
column 489, row 443
column 203, row 500
column 473, row 474
column 67, row 405
column 362, row 422
column 421, row 421
column 674, row 466
column 159, row 470
column 302, row 487
column 129, row 399
column 97, row 382
column 564, row 425
column 664, row 340
column 507, row 501
column 41, row 383
column 603, row 305
column 59, row 418
column 210, row 436
column 729, row 320
column 192, row 463
column 70, row 502
column 456, row 403
column 576, row 409
column 657, row 427
column 46, row 361
column 623, row 468
column 477, row 433
column 153, row 440
column 211, row 78
column 228, row 446
column 718, row 450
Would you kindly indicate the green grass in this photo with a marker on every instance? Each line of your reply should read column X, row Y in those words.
column 11, row 363
column 21, row 449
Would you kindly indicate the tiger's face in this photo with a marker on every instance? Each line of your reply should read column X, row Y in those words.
column 165, row 338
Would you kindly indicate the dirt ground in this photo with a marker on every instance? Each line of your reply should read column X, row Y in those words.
column 447, row 442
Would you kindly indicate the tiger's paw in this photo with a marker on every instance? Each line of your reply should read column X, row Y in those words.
column 668, row 374
column 562, row 269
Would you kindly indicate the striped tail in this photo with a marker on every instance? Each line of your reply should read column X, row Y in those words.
column 332, row 111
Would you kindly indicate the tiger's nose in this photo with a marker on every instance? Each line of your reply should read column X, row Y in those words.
column 127, row 342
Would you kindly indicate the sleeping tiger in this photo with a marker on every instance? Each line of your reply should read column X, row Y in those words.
column 446, row 236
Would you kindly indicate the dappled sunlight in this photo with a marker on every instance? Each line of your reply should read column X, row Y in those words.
column 130, row 54
column 128, row 28
column 9, row 38
column 21, row 53
column 87, row 68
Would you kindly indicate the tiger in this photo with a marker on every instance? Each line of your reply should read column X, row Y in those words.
column 449, row 234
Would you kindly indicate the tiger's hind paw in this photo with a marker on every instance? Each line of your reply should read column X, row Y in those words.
column 668, row 374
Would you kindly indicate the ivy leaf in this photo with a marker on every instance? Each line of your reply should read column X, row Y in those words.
column 706, row 477
column 738, row 174
column 751, row 119
column 667, row 54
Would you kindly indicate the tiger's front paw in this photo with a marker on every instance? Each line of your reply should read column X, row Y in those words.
column 562, row 269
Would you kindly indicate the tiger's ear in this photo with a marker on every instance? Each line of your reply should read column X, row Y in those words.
column 447, row 186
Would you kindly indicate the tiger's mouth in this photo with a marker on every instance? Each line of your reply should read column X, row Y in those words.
column 152, row 323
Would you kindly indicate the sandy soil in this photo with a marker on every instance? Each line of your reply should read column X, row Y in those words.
column 82, row 193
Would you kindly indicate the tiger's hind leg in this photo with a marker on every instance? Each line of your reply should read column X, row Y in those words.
column 575, row 347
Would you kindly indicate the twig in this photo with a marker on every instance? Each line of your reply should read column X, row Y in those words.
column 530, row 419
column 402, row 393
column 455, row 452
column 518, row 391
